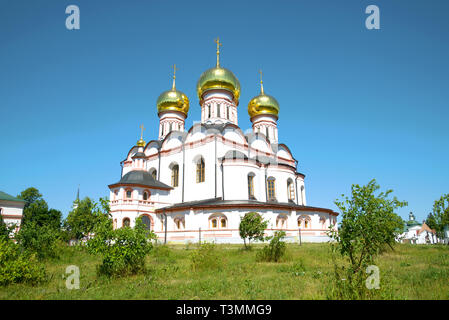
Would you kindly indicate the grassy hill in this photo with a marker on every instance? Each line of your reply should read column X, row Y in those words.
column 408, row 272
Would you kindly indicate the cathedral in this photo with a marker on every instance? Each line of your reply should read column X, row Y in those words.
column 196, row 184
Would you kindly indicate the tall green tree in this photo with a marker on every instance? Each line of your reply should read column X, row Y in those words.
column 30, row 195
column 36, row 210
column 252, row 227
column 40, row 226
column 82, row 220
column 431, row 222
column 441, row 214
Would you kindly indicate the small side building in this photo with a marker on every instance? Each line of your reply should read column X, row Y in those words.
column 11, row 210
column 417, row 233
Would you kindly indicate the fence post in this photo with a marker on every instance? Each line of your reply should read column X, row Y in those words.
column 299, row 229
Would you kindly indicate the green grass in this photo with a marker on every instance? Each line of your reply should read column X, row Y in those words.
column 409, row 272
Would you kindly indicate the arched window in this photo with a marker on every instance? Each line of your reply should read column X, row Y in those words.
column 271, row 189
column 180, row 223
column 323, row 222
column 174, row 175
column 304, row 222
column 126, row 222
column 200, row 170
column 218, row 110
column 208, row 111
column 169, row 127
column 281, row 221
column 268, row 135
column 146, row 195
column 218, row 221
column 146, row 221
column 227, row 113
column 290, row 190
column 251, row 186
column 129, row 194
column 153, row 173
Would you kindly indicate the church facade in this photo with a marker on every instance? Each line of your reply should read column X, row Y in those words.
column 195, row 184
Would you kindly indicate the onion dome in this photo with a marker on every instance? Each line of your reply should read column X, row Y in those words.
column 263, row 103
column 173, row 100
column 141, row 142
column 218, row 78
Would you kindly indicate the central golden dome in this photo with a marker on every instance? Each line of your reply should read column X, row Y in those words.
column 173, row 100
column 218, row 78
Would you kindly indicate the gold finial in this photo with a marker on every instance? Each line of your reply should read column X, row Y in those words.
column 261, row 82
column 141, row 142
column 174, row 77
column 141, row 132
column 217, row 41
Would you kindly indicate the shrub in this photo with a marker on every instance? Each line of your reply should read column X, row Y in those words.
column 123, row 250
column 41, row 240
column 275, row 250
column 17, row 266
column 205, row 257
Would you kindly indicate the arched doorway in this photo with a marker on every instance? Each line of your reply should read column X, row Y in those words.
column 147, row 222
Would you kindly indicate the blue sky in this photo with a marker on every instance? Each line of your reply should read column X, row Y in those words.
column 356, row 104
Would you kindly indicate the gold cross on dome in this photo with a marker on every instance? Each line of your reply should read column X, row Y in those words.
column 174, row 76
column 261, row 82
column 217, row 41
column 141, row 132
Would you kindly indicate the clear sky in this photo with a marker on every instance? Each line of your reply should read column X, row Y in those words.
column 356, row 104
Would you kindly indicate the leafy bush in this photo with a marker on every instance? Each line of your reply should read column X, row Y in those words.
column 205, row 257
column 252, row 227
column 368, row 226
column 17, row 266
column 123, row 250
column 275, row 250
column 41, row 240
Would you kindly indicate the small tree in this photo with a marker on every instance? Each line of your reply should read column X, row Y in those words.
column 252, row 227
column 368, row 225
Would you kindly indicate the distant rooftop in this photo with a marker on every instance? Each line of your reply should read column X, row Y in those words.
column 8, row 197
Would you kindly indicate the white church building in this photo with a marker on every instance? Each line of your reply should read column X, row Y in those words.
column 196, row 184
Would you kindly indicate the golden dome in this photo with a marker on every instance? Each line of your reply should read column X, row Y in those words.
column 218, row 78
column 141, row 143
column 263, row 104
column 173, row 100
